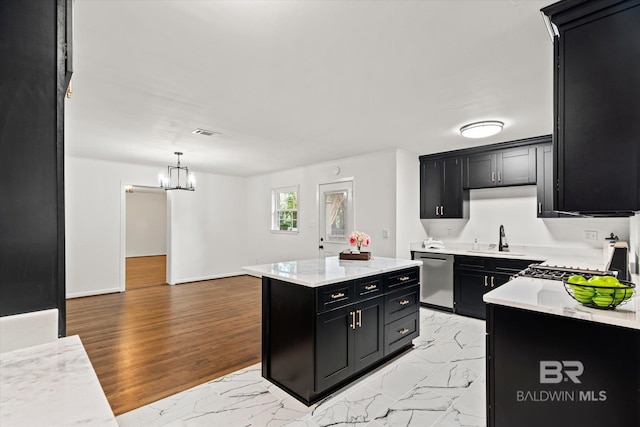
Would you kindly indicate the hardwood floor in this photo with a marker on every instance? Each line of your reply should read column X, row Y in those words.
column 149, row 343
column 143, row 271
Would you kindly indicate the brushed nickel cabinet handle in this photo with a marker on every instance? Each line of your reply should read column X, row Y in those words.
column 499, row 176
column 404, row 302
column 338, row 295
column 441, row 210
column 485, row 282
column 493, row 177
column 404, row 278
column 359, row 324
column 403, row 331
column 539, row 207
column 437, row 210
column 370, row 287
column 353, row 320
column 492, row 283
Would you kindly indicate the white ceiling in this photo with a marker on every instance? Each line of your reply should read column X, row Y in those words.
column 292, row 83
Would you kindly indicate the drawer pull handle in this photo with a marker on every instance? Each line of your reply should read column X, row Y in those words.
column 338, row 295
column 369, row 287
column 359, row 322
column 404, row 302
column 485, row 282
column 353, row 320
column 403, row 331
column 403, row 278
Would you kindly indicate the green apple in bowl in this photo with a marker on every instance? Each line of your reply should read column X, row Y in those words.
column 603, row 300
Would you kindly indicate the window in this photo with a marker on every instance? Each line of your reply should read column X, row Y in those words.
column 284, row 208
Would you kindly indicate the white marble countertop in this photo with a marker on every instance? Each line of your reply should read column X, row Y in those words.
column 323, row 271
column 549, row 296
column 52, row 384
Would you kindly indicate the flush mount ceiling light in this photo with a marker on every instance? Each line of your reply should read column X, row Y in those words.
column 481, row 129
column 177, row 177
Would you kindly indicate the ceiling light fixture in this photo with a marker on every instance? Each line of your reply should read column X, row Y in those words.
column 176, row 175
column 481, row 129
column 205, row 132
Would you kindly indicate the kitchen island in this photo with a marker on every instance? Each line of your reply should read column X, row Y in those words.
column 552, row 361
column 326, row 322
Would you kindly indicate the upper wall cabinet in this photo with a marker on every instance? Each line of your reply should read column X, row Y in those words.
column 441, row 194
column 597, row 105
column 511, row 166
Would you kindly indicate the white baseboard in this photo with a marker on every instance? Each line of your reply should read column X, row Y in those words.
column 215, row 276
column 92, row 293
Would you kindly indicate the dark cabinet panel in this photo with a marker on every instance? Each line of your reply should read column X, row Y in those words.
column 507, row 167
column 431, row 177
column 516, row 166
column 480, row 171
column 475, row 276
column 441, row 194
column 597, row 105
column 32, row 75
column 544, row 184
column 334, row 347
column 368, row 333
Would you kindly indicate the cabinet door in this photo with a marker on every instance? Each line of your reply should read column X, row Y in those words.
column 452, row 189
column 430, row 188
column 368, row 334
column 516, row 166
column 469, row 289
column 544, row 180
column 597, row 110
column 480, row 171
column 334, row 347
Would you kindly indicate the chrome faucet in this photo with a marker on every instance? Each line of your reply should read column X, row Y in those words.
column 502, row 242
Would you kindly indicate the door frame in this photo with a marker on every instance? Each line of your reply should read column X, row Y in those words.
column 351, row 179
column 123, row 234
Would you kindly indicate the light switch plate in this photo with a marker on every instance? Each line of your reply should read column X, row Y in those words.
column 385, row 233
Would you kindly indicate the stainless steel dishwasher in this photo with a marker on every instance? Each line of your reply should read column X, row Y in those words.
column 436, row 284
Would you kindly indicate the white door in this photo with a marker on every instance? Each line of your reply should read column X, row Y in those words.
column 337, row 213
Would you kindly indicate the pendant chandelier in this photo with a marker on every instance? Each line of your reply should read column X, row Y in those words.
column 177, row 177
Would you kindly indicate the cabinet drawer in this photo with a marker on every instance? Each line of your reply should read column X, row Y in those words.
column 401, row 332
column 402, row 278
column 470, row 263
column 368, row 288
column 511, row 266
column 334, row 296
column 401, row 303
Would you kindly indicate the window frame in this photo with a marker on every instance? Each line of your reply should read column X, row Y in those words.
column 275, row 211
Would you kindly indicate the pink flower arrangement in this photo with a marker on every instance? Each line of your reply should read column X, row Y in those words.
column 358, row 238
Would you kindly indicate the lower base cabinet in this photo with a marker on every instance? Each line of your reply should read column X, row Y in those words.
column 475, row 276
column 347, row 340
column 315, row 340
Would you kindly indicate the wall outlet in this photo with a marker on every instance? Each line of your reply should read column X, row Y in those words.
column 590, row 235
column 385, row 233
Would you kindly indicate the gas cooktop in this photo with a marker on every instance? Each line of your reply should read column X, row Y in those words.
column 538, row 271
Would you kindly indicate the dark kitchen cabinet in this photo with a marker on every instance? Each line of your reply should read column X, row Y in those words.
column 441, row 193
column 545, row 184
column 475, row 276
column 35, row 69
column 507, row 167
column 317, row 339
column 348, row 340
column 597, row 105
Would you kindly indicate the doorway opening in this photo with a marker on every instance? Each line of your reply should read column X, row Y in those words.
column 145, row 237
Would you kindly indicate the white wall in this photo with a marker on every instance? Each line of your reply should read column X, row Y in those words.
column 408, row 226
column 375, row 199
column 515, row 208
column 146, row 223
column 206, row 225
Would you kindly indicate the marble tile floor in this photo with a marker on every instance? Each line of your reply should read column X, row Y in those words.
column 440, row 382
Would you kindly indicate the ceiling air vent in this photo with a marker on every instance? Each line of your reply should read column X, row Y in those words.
column 205, row 132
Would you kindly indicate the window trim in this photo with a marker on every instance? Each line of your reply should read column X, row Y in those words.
column 274, row 208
